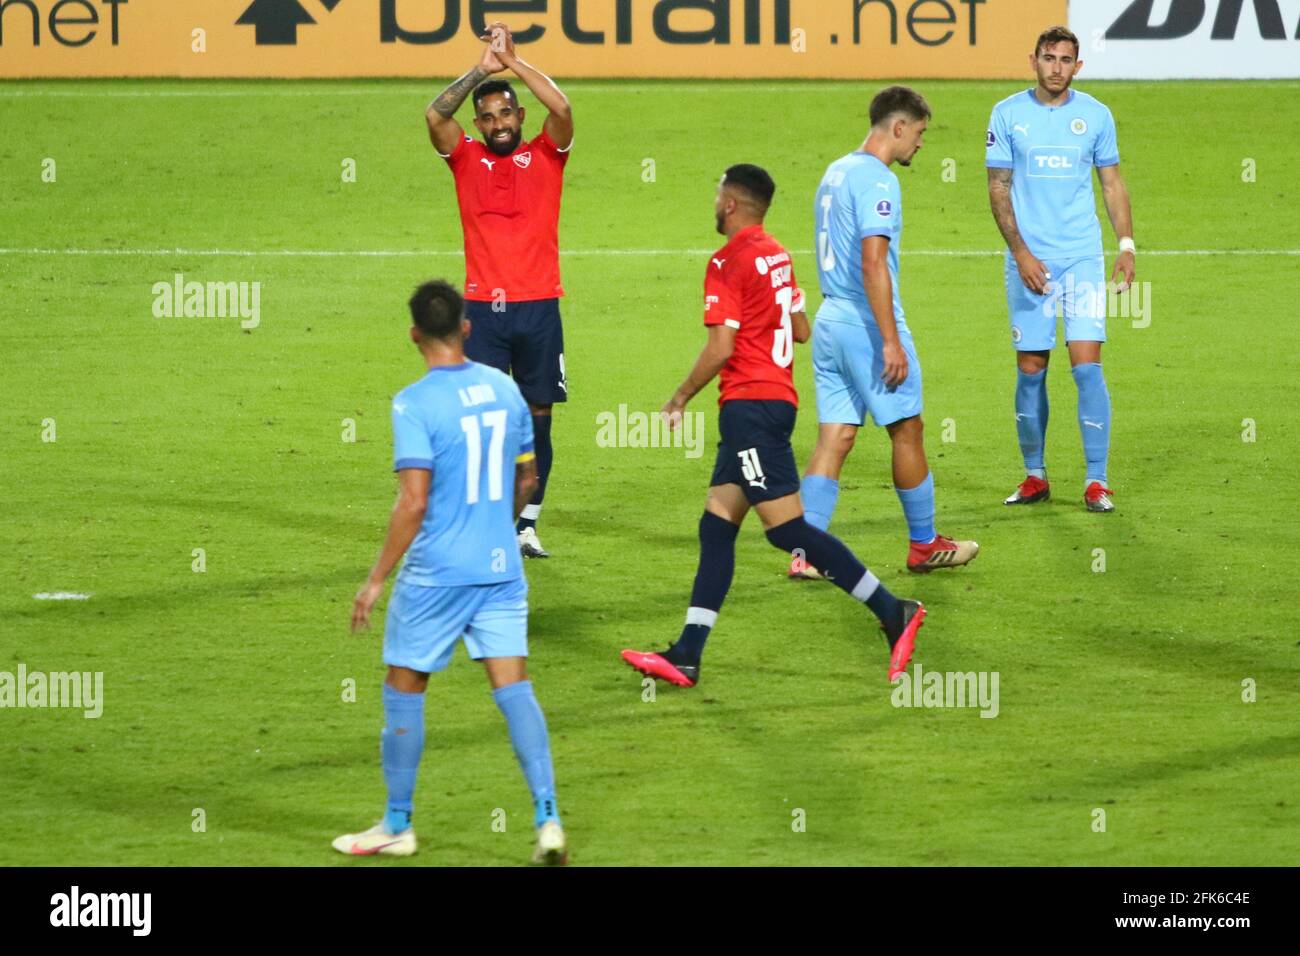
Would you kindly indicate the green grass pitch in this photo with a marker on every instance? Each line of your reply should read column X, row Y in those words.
column 1120, row 690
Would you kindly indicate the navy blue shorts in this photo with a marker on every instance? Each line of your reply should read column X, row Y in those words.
column 755, row 451
column 524, row 340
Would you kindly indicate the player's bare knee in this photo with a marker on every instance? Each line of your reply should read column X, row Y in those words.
column 1031, row 363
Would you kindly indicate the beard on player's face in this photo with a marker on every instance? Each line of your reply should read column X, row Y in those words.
column 504, row 140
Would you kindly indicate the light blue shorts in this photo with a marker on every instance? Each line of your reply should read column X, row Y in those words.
column 1077, row 290
column 424, row 624
column 847, row 366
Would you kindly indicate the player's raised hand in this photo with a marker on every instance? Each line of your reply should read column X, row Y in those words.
column 1124, row 266
column 1032, row 272
column 895, row 373
column 501, row 42
column 364, row 604
column 490, row 62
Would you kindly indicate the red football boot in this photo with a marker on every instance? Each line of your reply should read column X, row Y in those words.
column 903, row 643
column 940, row 553
column 660, row 668
column 1031, row 490
column 1097, row 498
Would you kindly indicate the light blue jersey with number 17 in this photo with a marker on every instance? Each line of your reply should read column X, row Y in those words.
column 469, row 425
column 858, row 197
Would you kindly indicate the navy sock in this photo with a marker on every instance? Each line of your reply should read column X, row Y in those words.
column 545, row 457
column 712, row 581
column 831, row 557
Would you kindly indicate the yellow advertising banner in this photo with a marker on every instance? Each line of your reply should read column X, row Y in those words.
column 846, row 39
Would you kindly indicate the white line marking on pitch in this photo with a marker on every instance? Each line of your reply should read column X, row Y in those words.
column 61, row 596
column 433, row 253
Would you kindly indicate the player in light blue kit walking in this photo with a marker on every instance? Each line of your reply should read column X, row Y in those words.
column 1042, row 146
column 863, row 356
column 463, row 453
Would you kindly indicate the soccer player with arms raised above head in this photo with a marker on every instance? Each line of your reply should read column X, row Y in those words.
column 1042, row 147
column 754, row 312
column 509, row 196
column 463, row 453
column 863, row 355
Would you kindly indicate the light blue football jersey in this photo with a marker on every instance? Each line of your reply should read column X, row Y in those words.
column 858, row 197
column 1052, row 151
column 469, row 425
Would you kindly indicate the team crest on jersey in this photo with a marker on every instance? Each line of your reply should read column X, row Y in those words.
column 884, row 209
column 990, row 139
column 523, row 160
column 1077, row 126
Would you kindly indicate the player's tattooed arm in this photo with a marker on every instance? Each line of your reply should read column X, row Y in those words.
column 525, row 484
column 444, row 131
column 1118, row 208
column 1032, row 272
column 1003, row 213
column 722, row 342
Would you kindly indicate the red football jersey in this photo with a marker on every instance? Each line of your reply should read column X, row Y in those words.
column 750, row 287
column 510, row 214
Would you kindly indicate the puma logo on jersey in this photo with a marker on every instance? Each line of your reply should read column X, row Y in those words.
column 719, row 262
column 489, row 163
column 1021, row 129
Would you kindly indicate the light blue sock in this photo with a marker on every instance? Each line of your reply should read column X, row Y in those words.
column 400, row 746
column 532, row 746
column 918, row 508
column 819, row 495
column 1094, row 419
column 1031, row 420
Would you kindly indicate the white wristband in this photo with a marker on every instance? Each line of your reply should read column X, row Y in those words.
column 1128, row 245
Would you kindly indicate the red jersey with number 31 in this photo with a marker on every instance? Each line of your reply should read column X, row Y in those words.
column 510, row 214
column 750, row 287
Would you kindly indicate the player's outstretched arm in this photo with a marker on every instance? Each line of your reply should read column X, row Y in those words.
column 722, row 342
column 444, row 131
column 1115, row 195
column 880, row 295
column 408, row 515
column 1032, row 272
column 525, row 484
column 559, row 118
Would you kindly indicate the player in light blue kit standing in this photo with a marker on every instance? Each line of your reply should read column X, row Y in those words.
column 463, row 453
column 1042, row 146
column 863, row 356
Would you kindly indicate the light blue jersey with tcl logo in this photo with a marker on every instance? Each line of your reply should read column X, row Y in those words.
column 1052, row 151
column 858, row 197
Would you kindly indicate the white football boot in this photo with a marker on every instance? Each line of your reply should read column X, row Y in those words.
column 530, row 546
column 377, row 842
column 551, row 848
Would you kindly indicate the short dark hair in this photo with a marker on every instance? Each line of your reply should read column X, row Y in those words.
column 898, row 99
column 437, row 310
column 752, row 180
column 489, row 87
column 1054, row 35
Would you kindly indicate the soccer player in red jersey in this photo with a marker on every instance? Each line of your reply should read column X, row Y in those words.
column 754, row 312
column 509, row 197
